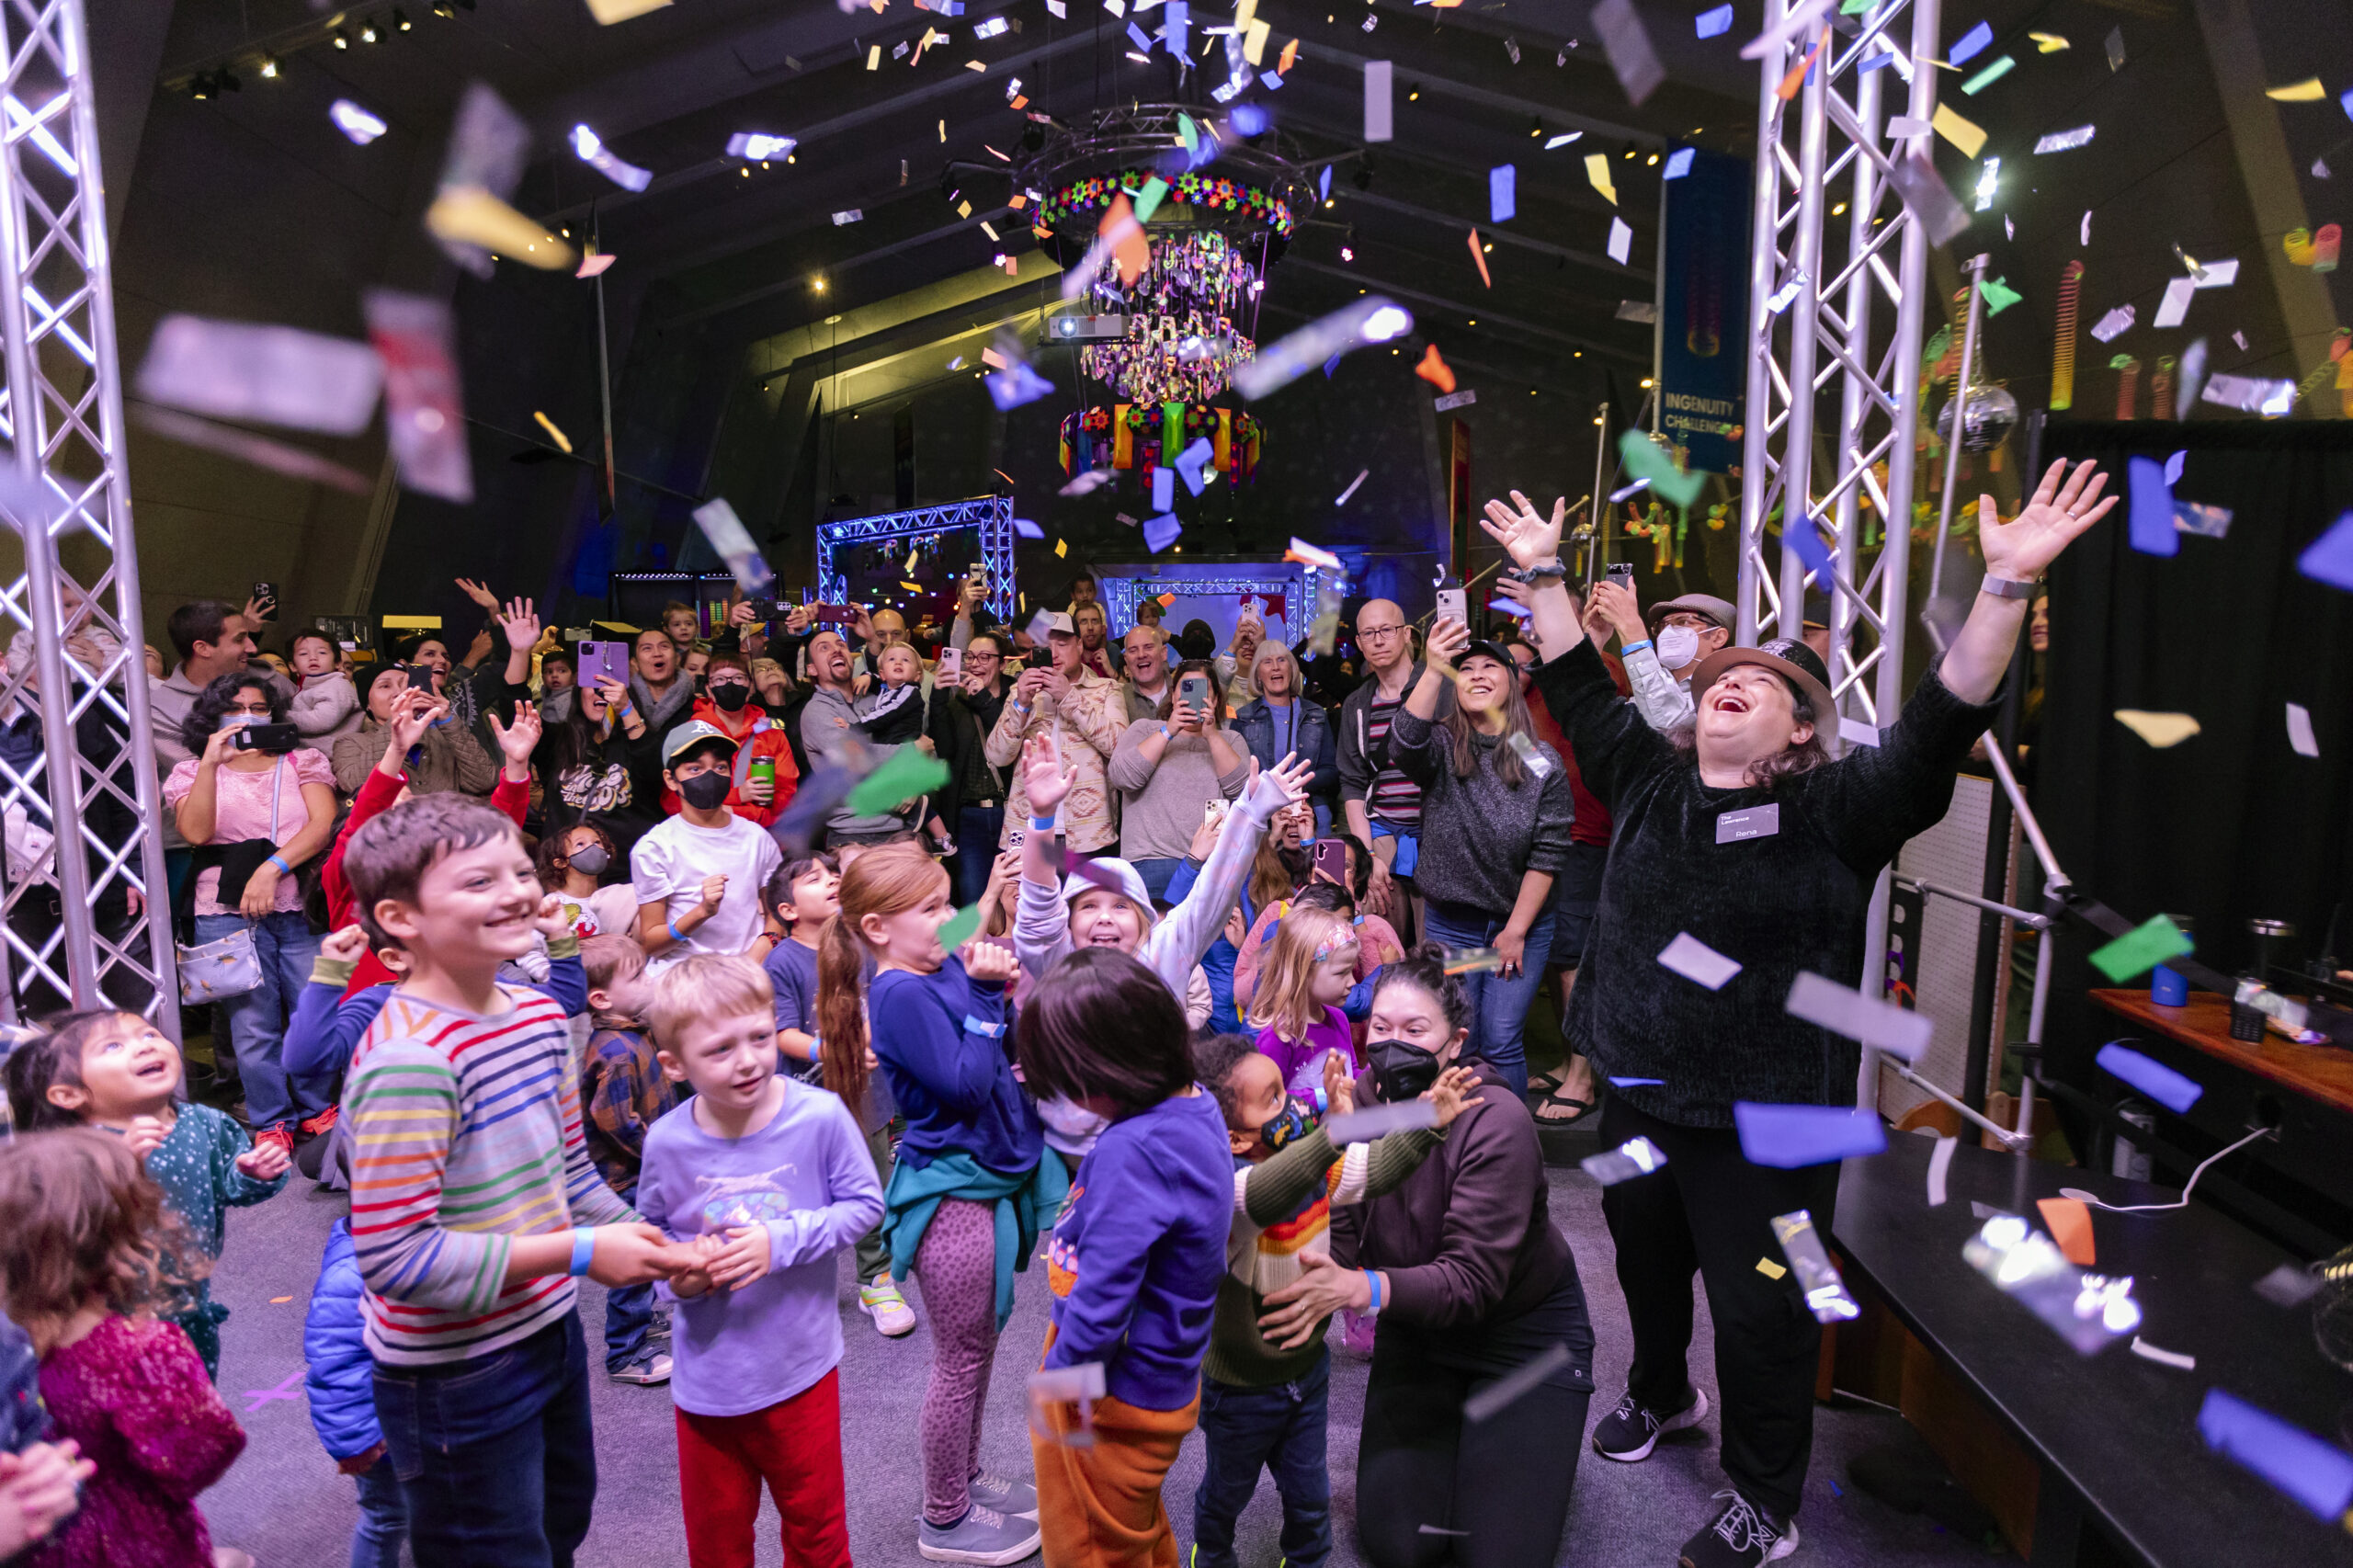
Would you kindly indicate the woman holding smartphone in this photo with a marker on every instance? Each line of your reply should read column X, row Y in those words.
column 1167, row 768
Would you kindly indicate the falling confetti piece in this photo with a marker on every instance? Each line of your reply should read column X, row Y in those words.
column 1433, row 370
column 2065, row 141
column 1627, row 44
column 280, row 1301
column 1479, row 255
column 1991, row 75
column 1353, row 486
column 2048, row 43
column 555, row 435
column 2116, row 49
column 2300, row 731
column 2308, row 91
column 2113, row 325
column 1503, row 193
column 2160, row 730
column 1715, row 23
column 1968, row 138
column 1622, row 241
column 1972, row 43
column 1597, row 169
column 470, row 215
column 1770, row 1269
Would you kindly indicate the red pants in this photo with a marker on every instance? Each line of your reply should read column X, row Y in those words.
column 796, row 1446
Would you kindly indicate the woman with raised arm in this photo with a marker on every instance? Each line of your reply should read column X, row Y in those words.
column 1740, row 832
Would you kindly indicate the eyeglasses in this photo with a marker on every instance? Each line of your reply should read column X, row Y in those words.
column 260, row 707
column 973, row 653
column 731, row 678
column 1366, row 633
column 1694, row 622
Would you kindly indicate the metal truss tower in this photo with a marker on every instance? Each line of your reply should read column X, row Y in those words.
column 1811, row 314
column 65, row 503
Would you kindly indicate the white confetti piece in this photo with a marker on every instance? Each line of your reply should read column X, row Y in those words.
column 2113, row 325
column 2219, row 273
column 2148, row 1352
column 1353, row 485
column 1940, row 1166
column 1622, row 241
column 2300, row 731
column 2065, row 141
column 1856, row 732
column 1695, row 961
column 2175, row 304
column 1896, row 1031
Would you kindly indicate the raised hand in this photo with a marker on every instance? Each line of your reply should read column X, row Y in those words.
column 1614, row 605
column 479, row 593
column 1283, row 785
column 1339, row 1085
column 521, row 620
column 1043, row 777
column 1526, row 538
column 2021, row 548
column 551, row 918
column 989, row 963
column 518, row 740
column 412, row 716
column 1448, row 640
column 349, row 945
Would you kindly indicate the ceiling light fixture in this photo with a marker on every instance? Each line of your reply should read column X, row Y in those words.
column 400, row 20
column 269, row 67
column 368, row 31
column 342, row 40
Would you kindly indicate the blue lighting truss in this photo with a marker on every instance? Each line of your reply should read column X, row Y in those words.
column 1119, row 593
column 991, row 515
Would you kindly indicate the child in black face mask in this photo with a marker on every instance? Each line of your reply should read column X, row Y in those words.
column 764, row 776
column 1262, row 1406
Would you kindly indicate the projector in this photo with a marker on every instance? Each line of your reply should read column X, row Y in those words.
column 1086, row 329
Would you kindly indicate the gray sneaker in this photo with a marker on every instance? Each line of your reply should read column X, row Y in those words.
column 982, row 1536
column 1006, row 1494
column 647, row 1371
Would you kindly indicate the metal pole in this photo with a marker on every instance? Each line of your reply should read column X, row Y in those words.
column 1597, row 553
column 1976, row 271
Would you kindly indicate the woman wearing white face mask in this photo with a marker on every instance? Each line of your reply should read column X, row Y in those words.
column 1659, row 663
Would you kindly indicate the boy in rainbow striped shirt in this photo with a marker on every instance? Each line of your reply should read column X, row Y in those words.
column 475, row 1203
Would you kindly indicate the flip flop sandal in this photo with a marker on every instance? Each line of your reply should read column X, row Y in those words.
column 1559, row 1109
column 1545, row 1082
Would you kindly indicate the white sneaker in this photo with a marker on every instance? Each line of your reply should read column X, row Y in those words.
column 649, row 1372
column 883, row 1302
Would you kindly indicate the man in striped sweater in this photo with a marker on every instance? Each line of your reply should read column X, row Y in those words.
column 475, row 1203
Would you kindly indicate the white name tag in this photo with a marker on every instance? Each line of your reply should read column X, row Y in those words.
column 1758, row 822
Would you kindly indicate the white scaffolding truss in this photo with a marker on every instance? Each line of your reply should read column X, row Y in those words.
column 1831, row 140
column 64, row 498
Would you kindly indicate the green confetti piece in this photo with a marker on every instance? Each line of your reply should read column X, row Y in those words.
column 1998, row 294
column 960, row 928
column 1189, row 134
column 906, row 775
column 1987, row 77
column 2140, row 949
column 1856, row 7
column 1644, row 461
column 1147, row 200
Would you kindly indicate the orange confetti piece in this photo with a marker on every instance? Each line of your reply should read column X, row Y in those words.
column 1435, row 370
column 1290, row 56
column 1022, row 101
column 2071, row 1226
column 280, row 1301
column 1130, row 249
column 1480, row 257
column 1796, row 78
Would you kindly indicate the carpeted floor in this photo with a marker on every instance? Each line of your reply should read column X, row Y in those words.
column 285, row 1503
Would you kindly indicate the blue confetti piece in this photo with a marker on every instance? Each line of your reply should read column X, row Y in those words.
column 1875, row 62
column 1016, row 384
column 1160, row 533
column 2316, row 1473
column 1503, row 193
column 1807, row 541
column 2151, row 509
column 1971, row 42
column 2153, row 1078
column 1324, row 186
column 1142, row 39
column 1789, row 1136
column 1679, row 163
column 1247, row 119
column 2173, row 465
column 1270, row 80
column 2329, row 559
column 1190, row 462
column 1332, row 364
column 2345, row 102
column 1028, row 530
column 1715, row 23
column 1176, row 26
column 1164, row 488
column 1637, row 1082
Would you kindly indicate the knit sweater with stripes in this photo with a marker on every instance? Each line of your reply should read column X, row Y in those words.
column 465, row 1134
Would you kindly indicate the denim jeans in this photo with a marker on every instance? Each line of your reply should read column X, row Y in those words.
column 1156, row 874
column 1499, row 1007
column 384, row 1518
column 494, row 1455
column 628, row 1315
column 285, row 945
column 1282, row 1429
column 977, row 828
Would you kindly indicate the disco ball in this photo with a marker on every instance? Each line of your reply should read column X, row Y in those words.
column 1988, row 414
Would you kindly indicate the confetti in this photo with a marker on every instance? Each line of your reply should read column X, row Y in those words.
column 1516, row 1385
column 1353, row 485
column 1621, row 240
column 274, row 375
column 1800, row 20
column 2290, row 1285
column 2151, row 503
column 1987, row 77
column 1930, row 200
column 1564, row 139
column 2300, row 731
column 2112, row 325
column 597, row 156
column 1502, row 192
column 850, row 215
column 1380, row 1121
column 1940, row 1168
column 1160, row 533
column 1958, row 131
column 594, row 264
column 423, row 413
column 2152, row 1077
column 2308, row 91
column 1857, row 733
column 2314, row 1473
column 1825, row 1294
column 280, row 1301
column 2116, row 49
column 1025, row 529
column 472, row 219
column 2218, row 274
column 1372, row 319
column 1164, row 488
column 2254, row 394
column 2160, row 730
column 2066, row 141
column 1972, row 42
column 2176, row 304
column 355, row 122
column 1192, row 460
column 1433, row 370
column 1698, row 963
column 732, row 542
column 1643, row 459
column 607, row 12
column 1016, row 384
column 2047, row 43
column 2149, row 1352
column 1479, row 256
column 2070, row 1224
column 2086, row 1310
column 1379, row 121
column 1081, row 1385
column 1087, row 483
column 1596, row 171
column 759, row 146
column 1473, row 960
column 905, row 775
column 560, row 439
column 1463, row 398
column 1679, row 163
column 1627, row 44
column 1782, row 298
column 1714, row 23
column 1635, row 1083
column 2207, row 522
column 1789, row 1136
column 1899, row 1031
column 1770, row 1269
column 2084, row 236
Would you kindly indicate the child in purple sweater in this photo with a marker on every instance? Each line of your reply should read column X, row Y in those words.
column 1309, row 971
column 1135, row 1262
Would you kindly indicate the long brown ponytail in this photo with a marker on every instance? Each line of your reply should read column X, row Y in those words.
column 888, row 880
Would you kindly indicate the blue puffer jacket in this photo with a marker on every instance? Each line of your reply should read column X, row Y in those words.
column 341, row 1378
column 24, row 1419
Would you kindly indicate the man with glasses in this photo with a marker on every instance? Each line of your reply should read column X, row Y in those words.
column 961, row 721
column 1384, row 807
column 763, row 775
column 1660, row 661
column 699, row 875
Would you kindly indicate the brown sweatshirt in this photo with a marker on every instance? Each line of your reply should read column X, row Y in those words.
column 1466, row 1238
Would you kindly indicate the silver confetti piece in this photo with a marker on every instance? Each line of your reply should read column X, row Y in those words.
column 1825, row 1294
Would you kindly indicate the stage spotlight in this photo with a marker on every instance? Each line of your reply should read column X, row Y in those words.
column 269, row 67
column 1536, row 127
column 368, row 31
column 342, row 40
column 1414, row 93
column 400, row 20
column 1629, row 154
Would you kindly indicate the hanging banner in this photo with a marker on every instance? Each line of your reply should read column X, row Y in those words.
column 1703, row 307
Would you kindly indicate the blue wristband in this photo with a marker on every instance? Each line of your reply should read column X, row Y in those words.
column 584, row 1247
column 1373, row 1281
column 675, row 935
column 1634, row 647
column 1041, row 825
column 279, row 861
column 816, row 1048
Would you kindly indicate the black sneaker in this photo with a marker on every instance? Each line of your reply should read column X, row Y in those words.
column 1741, row 1536
column 1628, row 1433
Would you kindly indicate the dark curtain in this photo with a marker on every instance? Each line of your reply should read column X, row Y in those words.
column 2232, row 824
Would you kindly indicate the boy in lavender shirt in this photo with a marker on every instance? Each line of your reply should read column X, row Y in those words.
column 767, row 1178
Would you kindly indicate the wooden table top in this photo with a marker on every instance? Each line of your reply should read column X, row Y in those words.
column 2324, row 1072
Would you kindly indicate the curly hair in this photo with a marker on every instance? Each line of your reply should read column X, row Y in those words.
column 204, row 715
column 1214, row 1060
column 86, row 1221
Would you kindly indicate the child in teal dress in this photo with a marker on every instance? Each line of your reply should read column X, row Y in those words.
column 113, row 1070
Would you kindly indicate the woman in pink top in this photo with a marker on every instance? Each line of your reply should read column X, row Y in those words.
column 254, row 815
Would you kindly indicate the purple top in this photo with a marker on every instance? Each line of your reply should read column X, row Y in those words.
column 807, row 1178
column 1302, row 1063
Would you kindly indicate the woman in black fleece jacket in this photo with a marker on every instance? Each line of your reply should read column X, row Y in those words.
column 1469, row 1283
column 1755, row 844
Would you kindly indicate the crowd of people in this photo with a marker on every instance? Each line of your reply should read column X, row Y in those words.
column 810, row 939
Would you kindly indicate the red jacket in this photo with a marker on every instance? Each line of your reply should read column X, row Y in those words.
column 376, row 795
column 756, row 736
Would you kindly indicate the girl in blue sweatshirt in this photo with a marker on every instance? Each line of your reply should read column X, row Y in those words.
column 964, row 1205
column 1135, row 1262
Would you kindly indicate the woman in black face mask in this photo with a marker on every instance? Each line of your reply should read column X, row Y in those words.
column 1468, row 1282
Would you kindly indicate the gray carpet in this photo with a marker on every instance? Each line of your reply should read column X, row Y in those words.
column 285, row 1503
